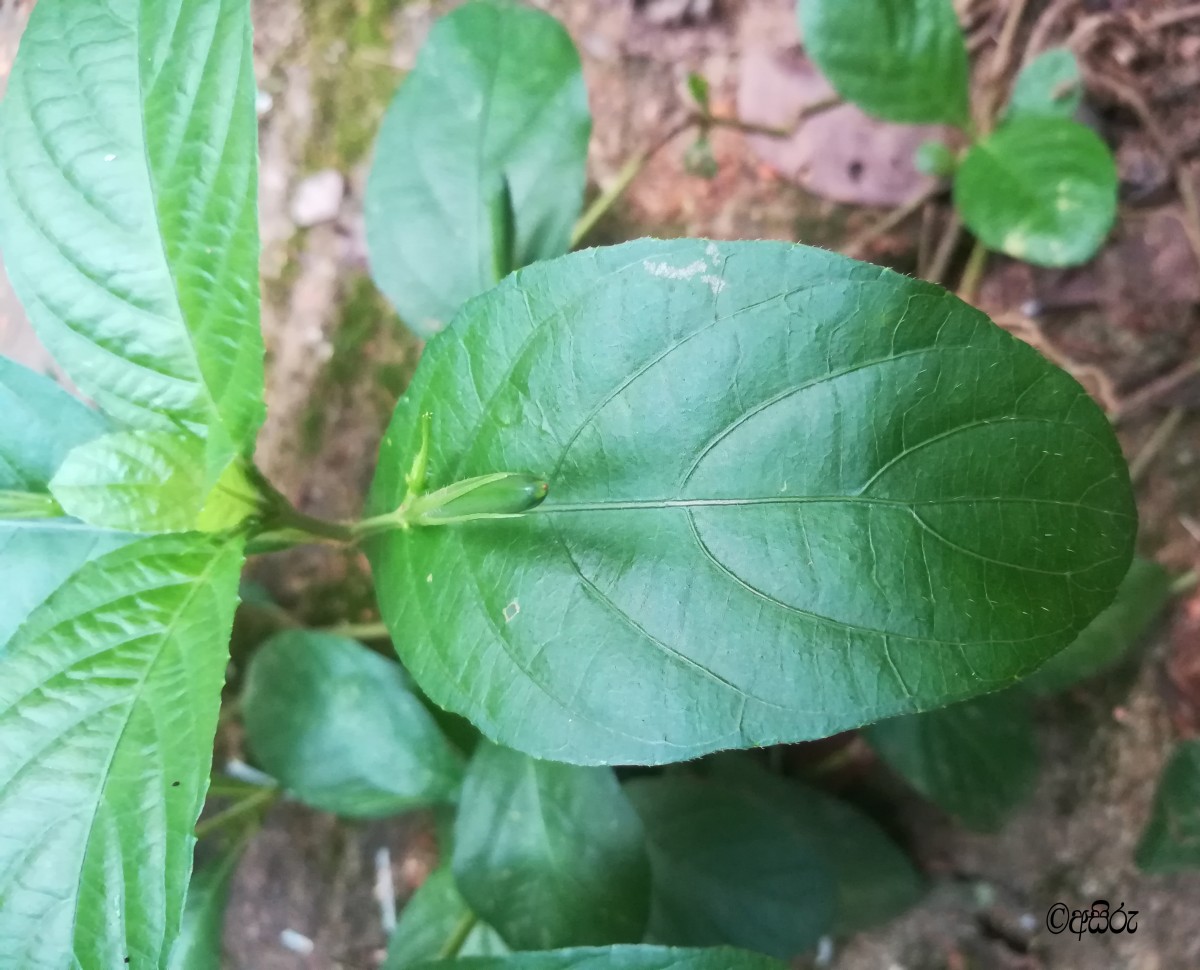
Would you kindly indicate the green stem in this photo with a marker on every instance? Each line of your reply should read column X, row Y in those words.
column 359, row 631
column 456, row 939
column 608, row 198
column 1185, row 583
column 261, row 799
column 973, row 273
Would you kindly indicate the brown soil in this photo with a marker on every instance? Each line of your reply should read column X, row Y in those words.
column 337, row 360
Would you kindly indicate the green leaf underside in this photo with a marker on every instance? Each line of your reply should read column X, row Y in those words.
column 497, row 95
column 1171, row 840
column 1048, row 86
column 977, row 760
column 128, row 172
column 550, row 854
column 341, row 729
column 198, row 946
column 730, row 871
column 109, row 698
column 617, row 958
column 1140, row 599
column 875, row 880
column 900, row 60
column 1039, row 189
column 429, row 922
column 790, row 494
column 42, row 423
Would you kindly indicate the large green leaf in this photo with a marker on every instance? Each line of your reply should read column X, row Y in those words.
column 790, row 494
column 340, row 727
column 1039, row 189
column 977, row 760
column 490, row 127
column 108, row 707
column 1049, row 86
column 198, row 946
column 730, row 870
column 617, row 958
column 550, row 854
column 128, row 171
column 875, row 880
column 1103, row 642
column 1171, row 840
column 432, row 923
column 900, row 60
column 41, row 424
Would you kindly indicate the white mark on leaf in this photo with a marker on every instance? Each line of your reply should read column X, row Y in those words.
column 110, row 158
column 669, row 272
column 429, row 578
column 511, row 611
column 715, row 283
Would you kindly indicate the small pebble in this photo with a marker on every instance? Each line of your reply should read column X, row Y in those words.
column 318, row 198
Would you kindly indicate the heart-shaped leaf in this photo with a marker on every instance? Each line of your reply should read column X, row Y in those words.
column 790, row 494
column 728, row 870
column 550, row 854
column 900, row 60
column 1103, row 642
column 1049, row 86
column 1171, row 840
column 617, row 958
column 977, row 760
column 1039, row 189
column 340, row 727
column 108, row 707
column 432, row 923
column 128, row 219
column 480, row 162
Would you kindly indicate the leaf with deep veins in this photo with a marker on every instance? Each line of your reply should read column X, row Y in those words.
column 790, row 493
column 128, row 173
column 108, row 707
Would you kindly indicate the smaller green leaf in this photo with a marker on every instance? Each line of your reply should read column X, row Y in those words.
column 698, row 88
column 935, row 158
column 1039, row 189
column 1171, row 840
column 340, row 727
column 198, row 946
column 1103, row 642
column 150, row 481
column 875, row 880
column 1049, row 86
column 617, row 958
column 495, row 106
column 728, row 870
column 42, row 423
column 432, row 920
column 976, row 760
column 899, row 60
column 550, row 854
